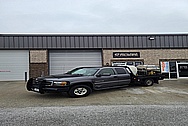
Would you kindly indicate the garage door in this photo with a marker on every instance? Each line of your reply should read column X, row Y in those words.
column 62, row 61
column 13, row 64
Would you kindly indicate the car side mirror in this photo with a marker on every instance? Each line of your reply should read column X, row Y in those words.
column 98, row 75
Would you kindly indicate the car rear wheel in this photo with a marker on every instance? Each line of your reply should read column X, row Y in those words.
column 148, row 82
column 80, row 91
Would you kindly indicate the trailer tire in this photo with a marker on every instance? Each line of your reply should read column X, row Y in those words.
column 148, row 82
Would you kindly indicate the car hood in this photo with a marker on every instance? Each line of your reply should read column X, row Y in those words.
column 63, row 76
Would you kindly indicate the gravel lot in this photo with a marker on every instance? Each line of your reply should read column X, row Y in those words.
column 168, row 92
column 162, row 104
column 120, row 115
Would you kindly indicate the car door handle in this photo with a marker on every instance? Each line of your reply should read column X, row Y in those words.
column 115, row 76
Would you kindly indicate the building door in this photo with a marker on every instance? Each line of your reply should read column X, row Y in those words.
column 14, row 64
column 182, row 70
column 173, row 69
column 62, row 61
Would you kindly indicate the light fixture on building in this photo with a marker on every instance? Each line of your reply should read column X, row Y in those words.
column 151, row 38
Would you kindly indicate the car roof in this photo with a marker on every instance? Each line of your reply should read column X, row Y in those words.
column 102, row 67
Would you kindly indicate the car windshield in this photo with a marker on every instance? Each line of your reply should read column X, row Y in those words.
column 84, row 71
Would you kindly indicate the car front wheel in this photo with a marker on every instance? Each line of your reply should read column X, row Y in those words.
column 80, row 91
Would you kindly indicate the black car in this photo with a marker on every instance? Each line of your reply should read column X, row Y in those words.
column 81, row 81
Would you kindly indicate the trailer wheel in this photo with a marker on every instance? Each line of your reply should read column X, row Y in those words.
column 148, row 82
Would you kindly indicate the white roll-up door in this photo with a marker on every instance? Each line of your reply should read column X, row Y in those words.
column 64, row 60
column 13, row 64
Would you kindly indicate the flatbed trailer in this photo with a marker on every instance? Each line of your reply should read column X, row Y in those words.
column 144, row 79
column 147, row 80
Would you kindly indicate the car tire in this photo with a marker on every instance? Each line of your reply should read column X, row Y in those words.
column 148, row 82
column 79, row 91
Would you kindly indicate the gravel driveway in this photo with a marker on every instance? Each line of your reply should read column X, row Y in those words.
column 162, row 104
column 168, row 92
column 118, row 115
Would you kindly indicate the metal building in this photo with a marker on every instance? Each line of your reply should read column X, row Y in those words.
column 44, row 54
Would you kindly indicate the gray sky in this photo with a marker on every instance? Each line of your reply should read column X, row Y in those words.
column 93, row 16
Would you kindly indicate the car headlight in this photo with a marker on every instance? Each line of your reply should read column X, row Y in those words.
column 59, row 83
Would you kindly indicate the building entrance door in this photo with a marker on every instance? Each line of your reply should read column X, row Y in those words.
column 182, row 70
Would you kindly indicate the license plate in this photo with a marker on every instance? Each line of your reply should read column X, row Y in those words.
column 36, row 89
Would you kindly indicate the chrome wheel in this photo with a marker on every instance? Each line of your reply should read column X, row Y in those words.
column 80, row 91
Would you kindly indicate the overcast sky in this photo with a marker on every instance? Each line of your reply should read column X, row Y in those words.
column 93, row 16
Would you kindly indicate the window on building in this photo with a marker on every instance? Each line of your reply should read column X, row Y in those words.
column 139, row 63
column 130, row 63
column 168, row 69
column 124, row 63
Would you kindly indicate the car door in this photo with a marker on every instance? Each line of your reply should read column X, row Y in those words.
column 123, row 76
column 105, row 78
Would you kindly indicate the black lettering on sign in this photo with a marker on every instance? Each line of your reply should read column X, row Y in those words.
column 126, row 54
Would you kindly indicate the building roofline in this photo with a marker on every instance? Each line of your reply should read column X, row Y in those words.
column 91, row 34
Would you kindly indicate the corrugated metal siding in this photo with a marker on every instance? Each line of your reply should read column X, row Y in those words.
column 92, row 41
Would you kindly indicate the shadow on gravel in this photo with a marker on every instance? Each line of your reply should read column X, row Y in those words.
column 114, row 90
column 49, row 95
column 65, row 95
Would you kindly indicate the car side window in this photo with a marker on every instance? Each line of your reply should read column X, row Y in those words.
column 120, row 71
column 106, row 71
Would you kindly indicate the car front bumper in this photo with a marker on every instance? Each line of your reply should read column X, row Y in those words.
column 42, row 88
